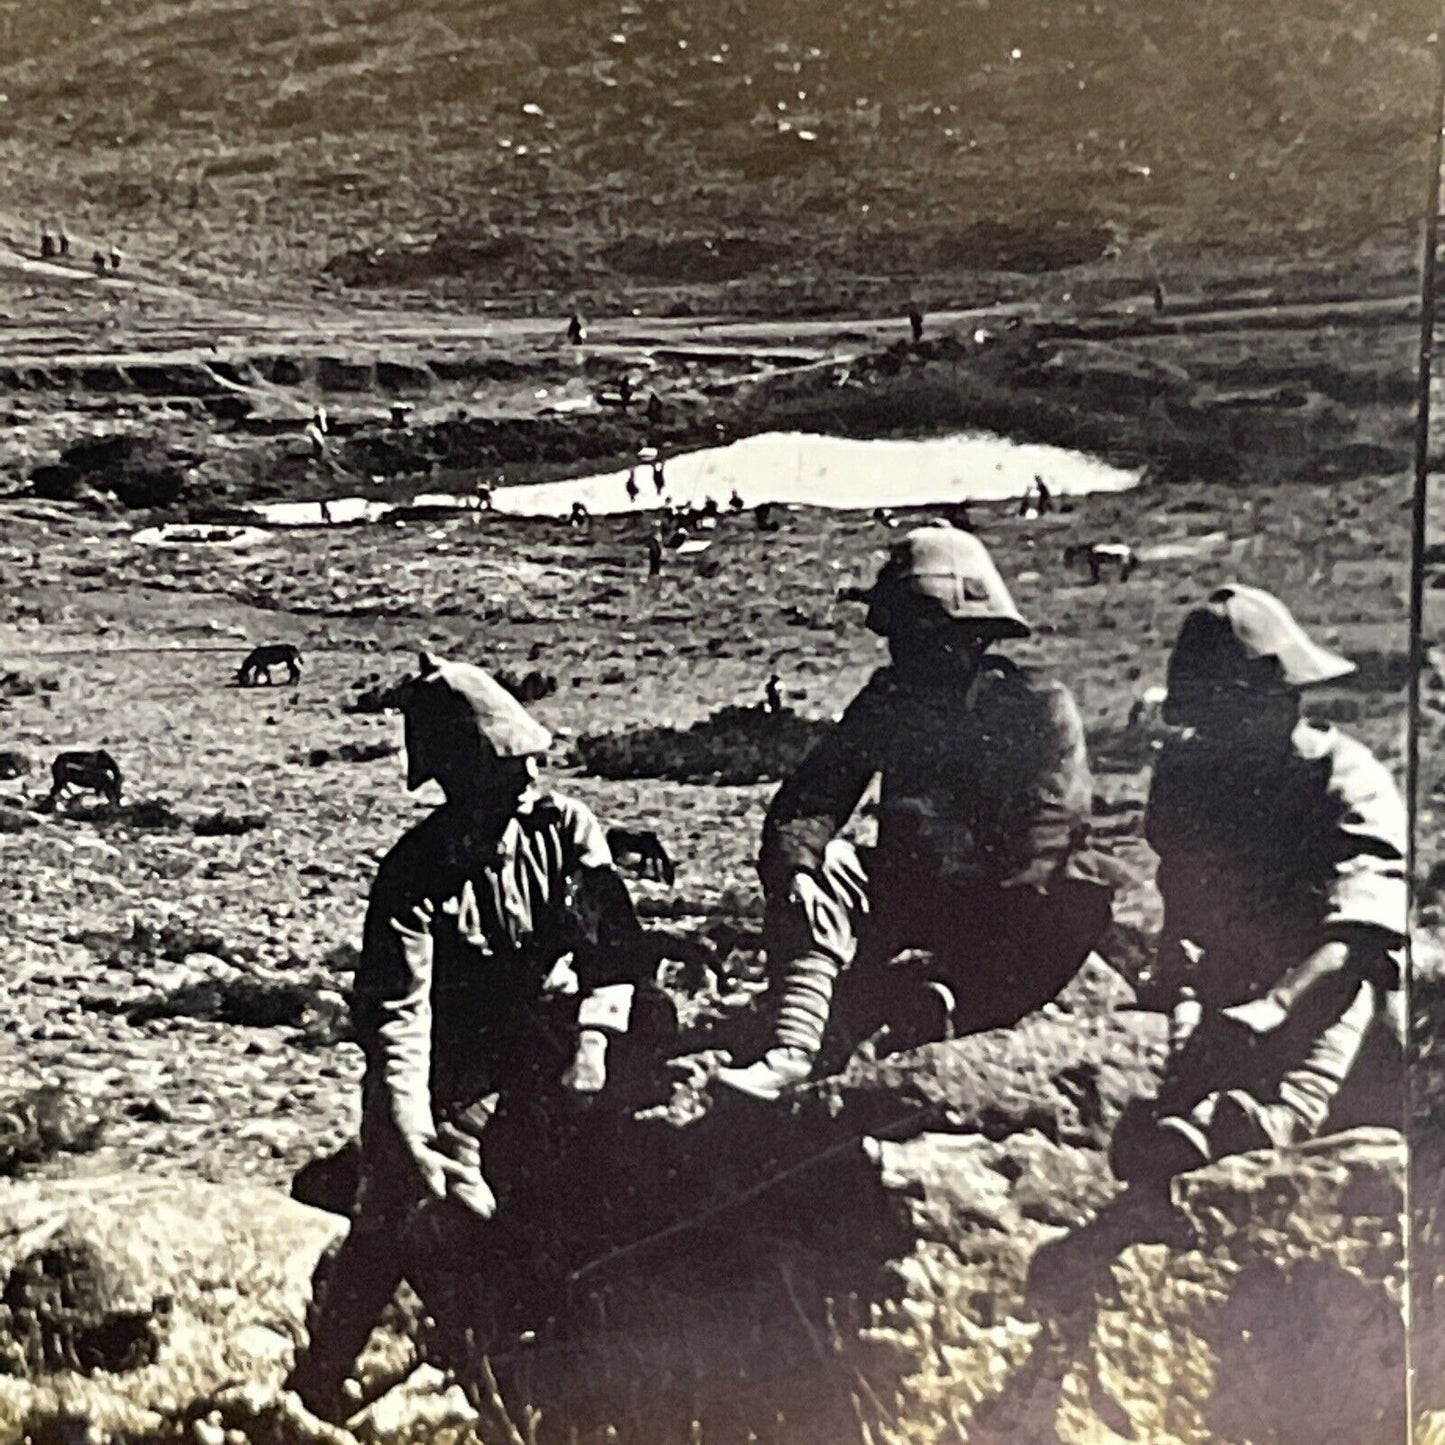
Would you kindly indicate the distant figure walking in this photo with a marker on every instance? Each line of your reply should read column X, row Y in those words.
column 325, row 512
column 654, row 409
column 115, row 258
column 1037, row 500
column 625, row 391
column 654, row 555
column 1158, row 294
column 576, row 331
column 579, row 516
column 915, row 322
column 47, row 245
column 735, row 502
column 316, row 440
column 633, row 490
column 773, row 694
column 97, row 259
column 63, row 241
column 484, row 496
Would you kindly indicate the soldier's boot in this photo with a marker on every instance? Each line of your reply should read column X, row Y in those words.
column 1299, row 1106
column 353, row 1284
column 804, row 1004
column 1243, row 1124
column 1150, row 1148
column 914, row 1017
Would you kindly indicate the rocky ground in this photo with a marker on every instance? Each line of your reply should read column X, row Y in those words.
column 180, row 965
column 1181, row 240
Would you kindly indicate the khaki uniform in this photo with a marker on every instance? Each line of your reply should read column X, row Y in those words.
column 450, row 1014
column 1263, row 861
column 982, row 854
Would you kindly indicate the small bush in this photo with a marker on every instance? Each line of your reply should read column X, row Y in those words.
column 736, row 745
column 312, row 1005
column 527, row 686
column 153, row 815
column 21, row 684
column 350, row 753
column 16, row 820
column 228, row 825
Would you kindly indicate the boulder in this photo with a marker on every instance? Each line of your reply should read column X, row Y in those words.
column 926, row 1248
column 131, row 1301
column 1261, row 1302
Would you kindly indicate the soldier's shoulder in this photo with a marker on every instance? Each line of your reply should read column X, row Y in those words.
column 554, row 809
column 882, row 691
column 1181, row 758
column 419, row 846
column 1352, row 768
column 1027, row 686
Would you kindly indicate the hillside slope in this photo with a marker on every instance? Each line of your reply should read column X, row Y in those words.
column 605, row 146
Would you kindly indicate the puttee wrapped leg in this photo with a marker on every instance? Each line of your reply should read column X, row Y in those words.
column 813, row 936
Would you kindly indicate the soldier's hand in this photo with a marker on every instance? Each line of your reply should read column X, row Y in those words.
column 586, row 1075
column 439, row 1172
column 804, row 891
column 475, row 1194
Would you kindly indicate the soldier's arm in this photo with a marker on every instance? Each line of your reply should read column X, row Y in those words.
column 1366, row 905
column 391, row 1002
column 814, row 803
column 1368, row 900
column 1059, row 794
column 609, row 952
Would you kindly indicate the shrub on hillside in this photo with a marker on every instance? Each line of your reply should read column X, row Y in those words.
column 736, row 745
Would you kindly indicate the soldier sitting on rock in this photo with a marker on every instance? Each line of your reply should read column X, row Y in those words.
column 1281, row 850
column 469, row 914
column 981, row 856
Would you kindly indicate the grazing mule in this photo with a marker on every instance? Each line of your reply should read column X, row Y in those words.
column 1096, row 557
column 643, row 851
column 95, row 770
column 1147, row 709
column 260, row 660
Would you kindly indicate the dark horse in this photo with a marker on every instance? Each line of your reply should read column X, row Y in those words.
column 260, row 660
column 644, row 851
column 95, row 770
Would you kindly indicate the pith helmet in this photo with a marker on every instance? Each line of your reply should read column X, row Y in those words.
column 449, row 696
column 949, row 567
column 1245, row 637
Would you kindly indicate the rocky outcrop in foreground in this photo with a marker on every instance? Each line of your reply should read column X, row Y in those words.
column 929, row 1249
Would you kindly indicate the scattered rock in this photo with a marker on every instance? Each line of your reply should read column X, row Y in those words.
column 109, row 1267
column 24, row 684
column 16, row 820
column 66, row 1305
column 14, row 764
column 42, row 1122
